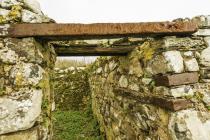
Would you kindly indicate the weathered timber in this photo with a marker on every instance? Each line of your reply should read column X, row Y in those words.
column 55, row 31
column 92, row 51
column 163, row 102
column 176, row 79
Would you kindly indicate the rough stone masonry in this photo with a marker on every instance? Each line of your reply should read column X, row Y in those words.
column 25, row 73
column 160, row 91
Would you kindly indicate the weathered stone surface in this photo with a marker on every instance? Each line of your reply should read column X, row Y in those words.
column 30, row 17
column 175, row 92
column 123, row 82
column 26, row 74
column 181, row 91
column 202, row 32
column 207, row 40
column 8, row 56
column 112, row 65
column 20, row 111
column 190, row 124
column 158, row 65
column 31, row 134
column 9, row 3
column 175, row 61
column 33, row 5
column 26, row 49
column 176, row 79
column 4, row 12
column 191, row 65
column 135, row 68
column 134, row 87
column 202, row 21
column 182, row 43
column 205, row 57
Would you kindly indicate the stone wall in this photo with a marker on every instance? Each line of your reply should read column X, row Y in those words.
column 26, row 68
column 71, row 88
column 160, row 91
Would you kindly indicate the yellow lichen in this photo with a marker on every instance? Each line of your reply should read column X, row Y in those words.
column 15, row 13
column 2, row 20
column 144, row 52
column 19, row 79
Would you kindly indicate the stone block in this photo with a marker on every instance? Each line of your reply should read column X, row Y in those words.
column 8, row 56
column 207, row 41
column 30, row 17
column 26, row 74
column 181, row 91
column 205, row 57
column 9, row 3
column 123, row 82
column 190, row 124
column 33, row 5
column 202, row 32
column 191, row 65
column 176, row 79
column 158, row 65
column 27, row 49
column 30, row 134
column 174, row 61
column 205, row 73
column 20, row 110
column 183, row 43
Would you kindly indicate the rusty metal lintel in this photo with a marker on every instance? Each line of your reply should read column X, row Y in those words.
column 53, row 31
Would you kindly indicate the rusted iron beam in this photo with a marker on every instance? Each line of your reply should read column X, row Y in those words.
column 176, row 79
column 91, row 51
column 163, row 102
column 55, row 31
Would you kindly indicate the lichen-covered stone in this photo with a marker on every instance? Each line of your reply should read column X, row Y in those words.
column 191, row 65
column 27, row 74
column 190, row 124
column 8, row 56
column 31, row 134
column 123, row 82
column 186, row 43
column 27, row 49
column 207, row 40
column 202, row 32
column 30, row 17
column 9, row 3
column 181, row 91
column 33, row 5
column 205, row 57
column 20, row 111
column 175, row 61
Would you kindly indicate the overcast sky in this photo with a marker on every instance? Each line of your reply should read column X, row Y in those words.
column 89, row 11
column 93, row 11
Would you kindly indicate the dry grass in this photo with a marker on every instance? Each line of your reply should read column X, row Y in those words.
column 63, row 64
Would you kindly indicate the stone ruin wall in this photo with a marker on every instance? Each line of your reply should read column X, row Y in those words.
column 71, row 89
column 126, row 100
column 160, row 91
column 26, row 68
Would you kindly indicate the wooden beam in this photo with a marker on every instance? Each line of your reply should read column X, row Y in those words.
column 92, row 51
column 55, row 31
column 163, row 102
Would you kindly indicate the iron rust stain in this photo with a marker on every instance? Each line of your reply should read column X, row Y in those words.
column 101, row 29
